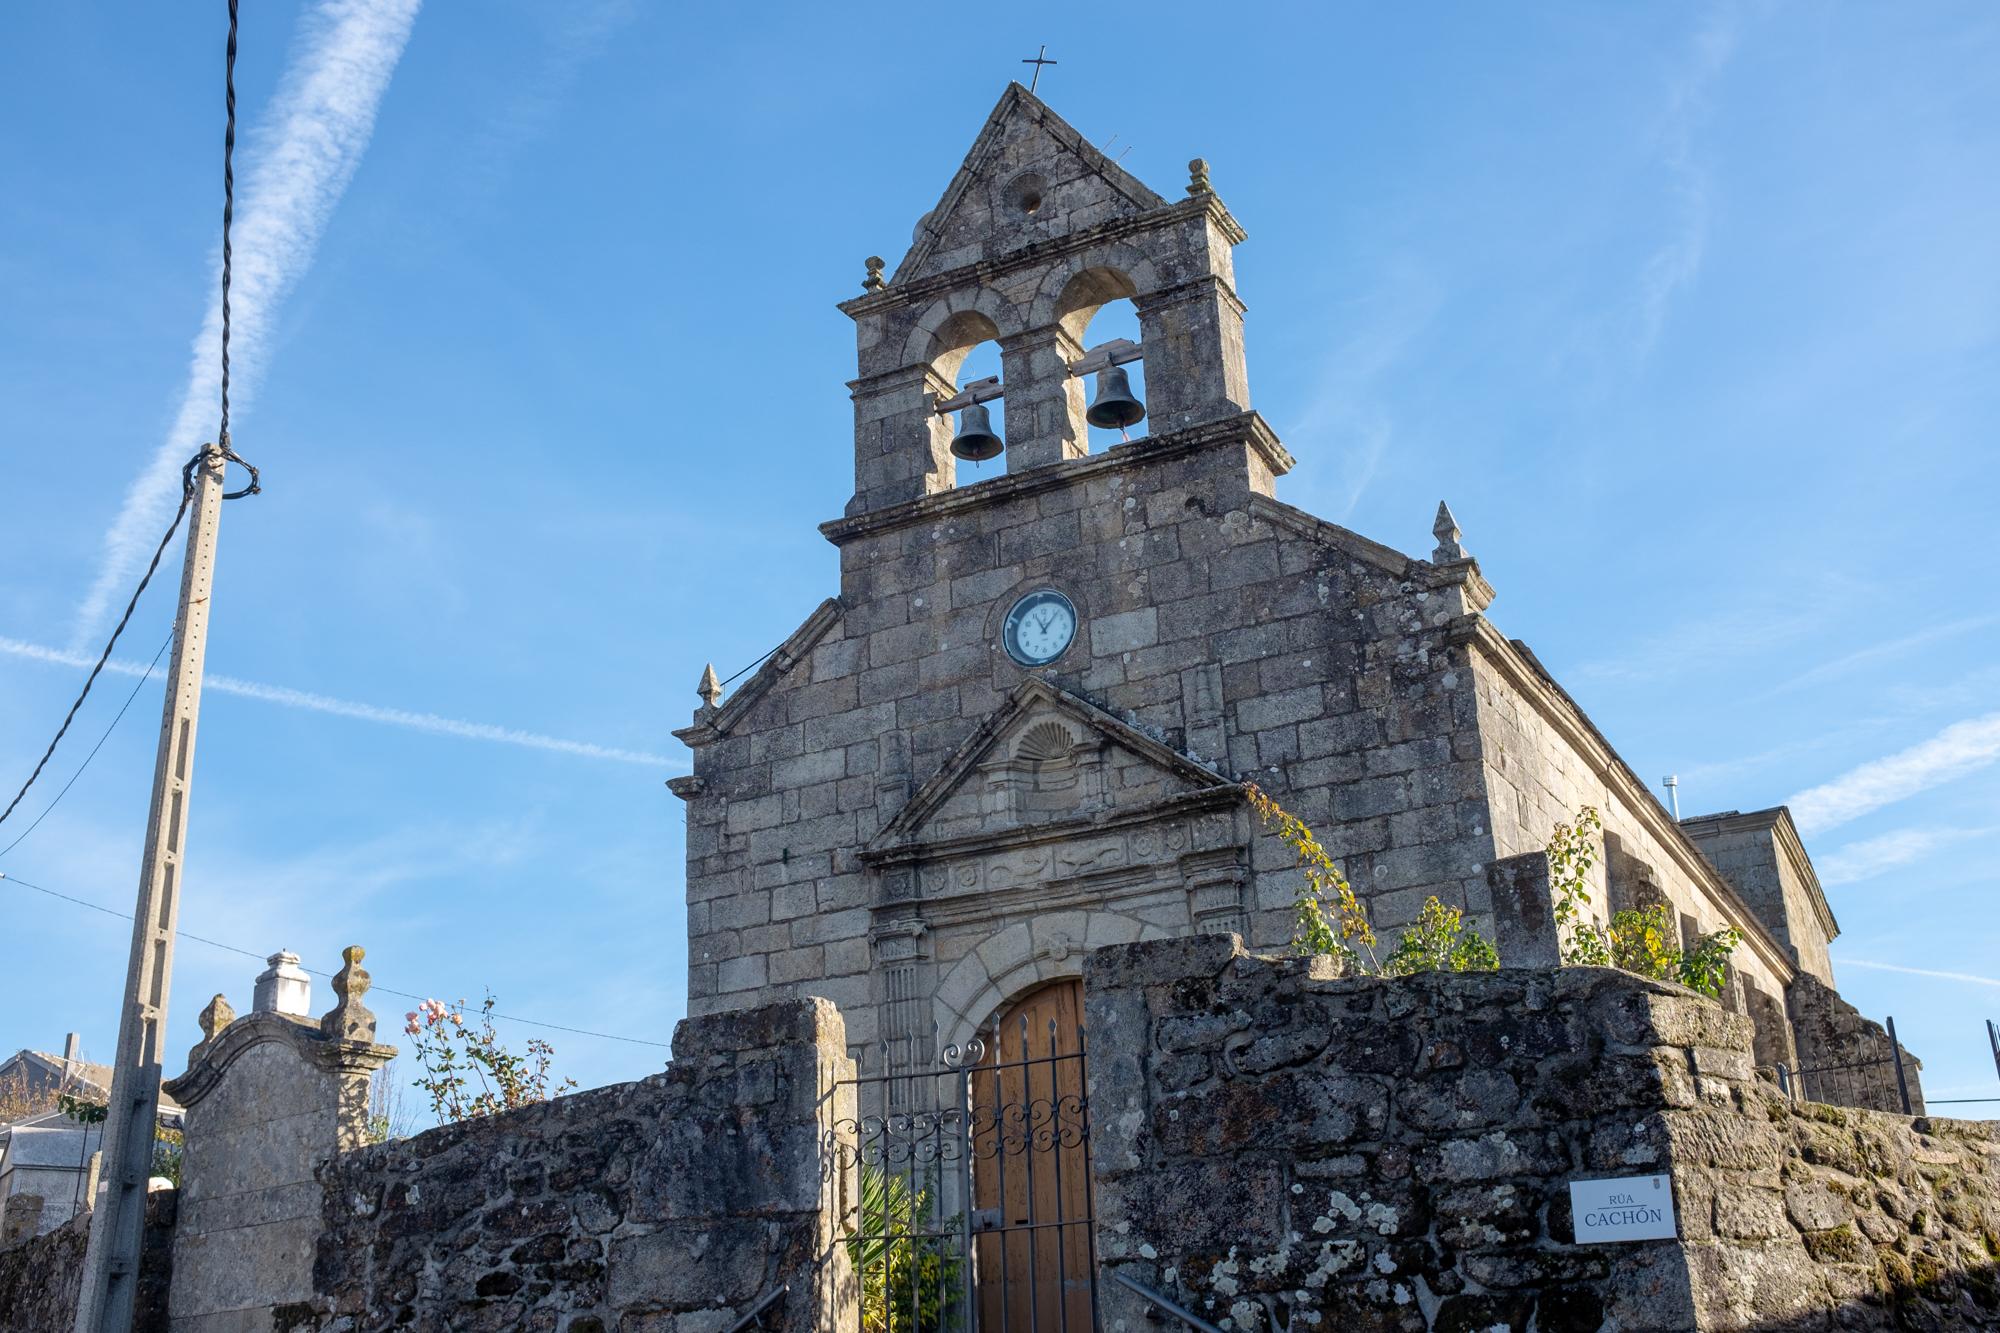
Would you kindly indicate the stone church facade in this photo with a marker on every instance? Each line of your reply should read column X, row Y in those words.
column 897, row 814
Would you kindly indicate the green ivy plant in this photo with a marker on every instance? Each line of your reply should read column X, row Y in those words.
column 1572, row 853
column 1641, row 940
column 907, row 1285
column 1329, row 920
column 1439, row 942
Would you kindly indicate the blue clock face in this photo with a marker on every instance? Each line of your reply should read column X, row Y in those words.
column 1039, row 628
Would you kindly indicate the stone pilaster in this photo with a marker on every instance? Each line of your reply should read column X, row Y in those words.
column 1193, row 336
column 1045, row 402
column 902, row 447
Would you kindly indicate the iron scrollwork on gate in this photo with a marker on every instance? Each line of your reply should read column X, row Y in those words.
column 967, row 1207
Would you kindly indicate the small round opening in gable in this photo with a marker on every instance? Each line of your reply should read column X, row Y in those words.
column 1024, row 193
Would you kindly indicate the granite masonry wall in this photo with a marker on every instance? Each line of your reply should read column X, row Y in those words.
column 1847, row 1059
column 1543, row 761
column 40, row 1276
column 670, row 1205
column 1279, row 1147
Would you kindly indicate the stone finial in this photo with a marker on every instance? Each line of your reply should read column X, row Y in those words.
column 1445, row 529
column 710, row 688
column 1198, row 177
column 216, row 1015
column 873, row 282
column 349, row 1019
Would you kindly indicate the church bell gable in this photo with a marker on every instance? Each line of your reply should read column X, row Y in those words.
column 1038, row 231
column 1030, row 177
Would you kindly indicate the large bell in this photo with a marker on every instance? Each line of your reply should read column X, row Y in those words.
column 975, row 441
column 1114, row 408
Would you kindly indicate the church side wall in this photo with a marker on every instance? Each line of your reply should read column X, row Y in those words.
column 1537, row 776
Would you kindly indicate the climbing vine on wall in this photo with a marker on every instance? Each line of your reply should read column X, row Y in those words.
column 1329, row 920
column 1641, row 939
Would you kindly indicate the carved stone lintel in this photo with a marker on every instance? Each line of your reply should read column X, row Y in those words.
column 349, row 1019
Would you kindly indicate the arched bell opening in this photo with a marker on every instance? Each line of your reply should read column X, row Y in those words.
column 967, row 354
column 1096, row 310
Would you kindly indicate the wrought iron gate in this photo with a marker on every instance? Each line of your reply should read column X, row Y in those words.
column 965, row 1189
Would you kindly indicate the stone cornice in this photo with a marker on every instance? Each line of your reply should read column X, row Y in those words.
column 899, row 839
column 208, row 1062
column 1224, row 795
column 914, row 290
column 1778, row 822
column 1243, row 428
column 787, row 655
column 1313, row 528
column 1561, row 712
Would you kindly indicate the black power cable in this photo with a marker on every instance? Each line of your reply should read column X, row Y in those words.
column 228, row 455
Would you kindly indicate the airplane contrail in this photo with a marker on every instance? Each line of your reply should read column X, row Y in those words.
column 286, row 697
column 320, row 122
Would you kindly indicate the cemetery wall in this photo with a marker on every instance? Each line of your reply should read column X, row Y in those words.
column 41, row 1276
column 673, row 1203
column 1845, row 1058
column 1276, row 1142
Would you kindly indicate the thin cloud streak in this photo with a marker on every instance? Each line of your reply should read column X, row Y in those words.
column 1967, row 977
column 321, row 121
column 1675, row 264
column 1864, row 860
column 1957, row 750
column 428, row 723
column 1879, row 651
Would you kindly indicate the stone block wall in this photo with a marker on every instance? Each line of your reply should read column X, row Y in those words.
column 1225, row 625
column 268, row 1098
column 40, row 1277
column 1278, row 1143
column 672, row 1204
column 1543, row 761
column 1759, row 852
column 1845, row 1058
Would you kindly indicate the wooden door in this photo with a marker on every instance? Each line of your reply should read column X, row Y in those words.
column 1031, row 1169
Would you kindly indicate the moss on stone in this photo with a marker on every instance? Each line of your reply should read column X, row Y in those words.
column 1842, row 1245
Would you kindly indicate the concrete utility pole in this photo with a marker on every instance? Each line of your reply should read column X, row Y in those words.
column 117, row 1224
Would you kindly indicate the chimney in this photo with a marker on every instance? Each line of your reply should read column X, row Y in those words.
column 283, row 987
column 72, row 1051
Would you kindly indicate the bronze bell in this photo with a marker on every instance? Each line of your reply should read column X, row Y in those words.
column 1114, row 408
column 975, row 441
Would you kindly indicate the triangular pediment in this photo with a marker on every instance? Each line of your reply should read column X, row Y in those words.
column 1044, row 759
column 1029, row 177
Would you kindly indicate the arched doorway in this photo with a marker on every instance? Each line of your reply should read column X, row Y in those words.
column 1035, row 1245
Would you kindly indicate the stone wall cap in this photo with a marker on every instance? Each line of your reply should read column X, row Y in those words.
column 812, row 1020
column 210, row 1060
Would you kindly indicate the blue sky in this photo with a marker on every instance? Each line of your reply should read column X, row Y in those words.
column 1691, row 312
